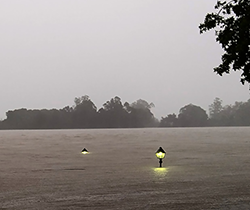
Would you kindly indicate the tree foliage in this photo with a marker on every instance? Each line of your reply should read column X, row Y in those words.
column 83, row 114
column 237, row 114
column 141, row 115
column 115, row 114
column 215, row 108
column 192, row 115
column 170, row 121
column 189, row 116
column 231, row 23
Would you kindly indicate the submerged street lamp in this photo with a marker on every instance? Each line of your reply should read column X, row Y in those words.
column 160, row 154
column 85, row 151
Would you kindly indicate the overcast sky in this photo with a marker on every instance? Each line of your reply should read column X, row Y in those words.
column 55, row 50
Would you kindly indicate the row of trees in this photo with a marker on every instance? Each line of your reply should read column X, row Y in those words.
column 115, row 114
column 191, row 115
column 237, row 114
column 84, row 114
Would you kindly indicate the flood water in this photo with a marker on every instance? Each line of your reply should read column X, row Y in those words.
column 204, row 168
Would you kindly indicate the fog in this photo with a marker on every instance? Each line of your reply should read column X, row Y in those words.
column 54, row 51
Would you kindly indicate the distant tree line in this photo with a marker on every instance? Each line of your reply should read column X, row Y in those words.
column 189, row 116
column 84, row 114
column 219, row 115
column 237, row 114
column 115, row 114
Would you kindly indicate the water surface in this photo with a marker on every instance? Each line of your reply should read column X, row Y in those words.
column 205, row 168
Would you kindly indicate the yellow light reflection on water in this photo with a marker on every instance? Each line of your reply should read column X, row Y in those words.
column 161, row 171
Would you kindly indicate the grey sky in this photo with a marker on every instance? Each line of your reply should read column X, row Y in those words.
column 55, row 50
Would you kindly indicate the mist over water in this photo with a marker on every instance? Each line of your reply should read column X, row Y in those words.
column 204, row 168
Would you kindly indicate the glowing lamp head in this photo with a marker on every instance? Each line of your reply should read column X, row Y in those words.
column 160, row 153
column 85, row 151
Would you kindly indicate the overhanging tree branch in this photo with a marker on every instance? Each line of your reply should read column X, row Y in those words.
column 233, row 33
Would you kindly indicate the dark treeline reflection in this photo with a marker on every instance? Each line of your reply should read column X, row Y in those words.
column 115, row 114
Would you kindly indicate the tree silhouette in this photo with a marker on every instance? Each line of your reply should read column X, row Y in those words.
column 192, row 116
column 141, row 115
column 84, row 113
column 232, row 29
column 170, row 121
column 113, row 114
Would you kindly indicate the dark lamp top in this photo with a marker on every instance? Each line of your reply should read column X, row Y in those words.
column 85, row 151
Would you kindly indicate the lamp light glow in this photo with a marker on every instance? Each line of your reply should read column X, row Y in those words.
column 85, row 151
column 160, row 154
